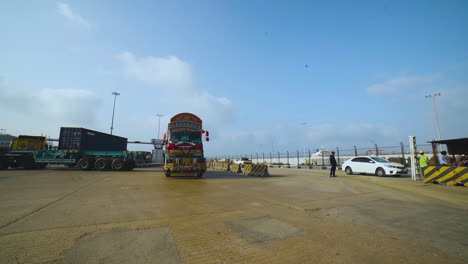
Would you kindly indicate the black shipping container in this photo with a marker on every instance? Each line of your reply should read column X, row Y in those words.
column 82, row 139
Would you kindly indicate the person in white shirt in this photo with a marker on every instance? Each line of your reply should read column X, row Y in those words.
column 443, row 158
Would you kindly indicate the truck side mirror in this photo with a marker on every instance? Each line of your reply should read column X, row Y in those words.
column 207, row 139
column 207, row 133
column 164, row 136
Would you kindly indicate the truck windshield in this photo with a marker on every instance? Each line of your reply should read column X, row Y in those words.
column 186, row 136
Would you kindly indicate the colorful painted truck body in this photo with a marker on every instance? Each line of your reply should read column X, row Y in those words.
column 78, row 147
column 184, row 147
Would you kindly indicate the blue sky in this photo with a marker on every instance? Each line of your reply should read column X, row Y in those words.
column 263, row 75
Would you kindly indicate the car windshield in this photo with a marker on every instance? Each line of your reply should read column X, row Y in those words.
column 380, row 160
column 185, row 136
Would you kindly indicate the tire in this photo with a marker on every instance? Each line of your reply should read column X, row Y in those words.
column 28, row 163
column 200, row 174
column 168, row 173
column 101, row 164
column 4, row 164
column 42, row 165
column 85, row 164
column 380, row 172
column 349, row 171
column 117, row 164
column 130, row 165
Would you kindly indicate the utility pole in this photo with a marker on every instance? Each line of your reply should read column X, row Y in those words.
column 159, row 123
column 113, row 111
column 436, row 116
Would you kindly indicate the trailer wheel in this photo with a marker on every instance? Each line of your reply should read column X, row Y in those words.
column 42, row 165
column 85, row 164
column 130, row 165
column 29, row 163
column 101, row 164
column 117, row 164
column 3, row 164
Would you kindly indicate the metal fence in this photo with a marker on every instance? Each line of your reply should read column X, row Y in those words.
column 319, row 157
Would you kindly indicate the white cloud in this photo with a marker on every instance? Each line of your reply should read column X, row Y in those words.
column 45, row 110
column 172, row 80
column 402, row 84
column 65, row 10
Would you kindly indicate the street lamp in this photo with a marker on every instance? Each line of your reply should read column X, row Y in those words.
column 433, row 96
column 113, row 110
column 159, row 122
column 304, row 124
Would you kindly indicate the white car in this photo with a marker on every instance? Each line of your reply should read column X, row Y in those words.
column 373, row 165
column 242, row 161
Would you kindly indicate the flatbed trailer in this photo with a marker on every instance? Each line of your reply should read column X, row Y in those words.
column 78, row 147
column 84, row 160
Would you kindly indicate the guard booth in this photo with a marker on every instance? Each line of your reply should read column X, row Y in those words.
column 457, row 172
column 455, row 147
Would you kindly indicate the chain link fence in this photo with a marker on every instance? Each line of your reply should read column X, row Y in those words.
column 320, row 157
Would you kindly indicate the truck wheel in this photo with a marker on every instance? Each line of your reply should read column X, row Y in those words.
column 101, row 164
column 130, row 165
column 117, row 164
column 14, row 164
column 42, row 165
column 29, row 163
column 200, row 174
column 168, row 173
column 3, row 164
column 85, row 164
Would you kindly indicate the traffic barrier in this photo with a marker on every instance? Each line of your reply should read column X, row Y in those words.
column 236, row 168
column 446, row 175
column 220, row 166
column 256, row 170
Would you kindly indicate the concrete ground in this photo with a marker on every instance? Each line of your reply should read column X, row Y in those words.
column 61, row 215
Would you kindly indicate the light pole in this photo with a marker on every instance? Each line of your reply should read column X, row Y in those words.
column 113, row 110
column 159, row 122
column 433, row 96
column 304, row 124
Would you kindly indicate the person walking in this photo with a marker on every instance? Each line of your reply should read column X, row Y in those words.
column 333, row 164
column 423, row 162
column 443, row 158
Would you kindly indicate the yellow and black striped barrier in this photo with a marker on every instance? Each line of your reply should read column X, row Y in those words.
column 256, row 170
column 446, row 175
column 226, row 166
column 236, row 168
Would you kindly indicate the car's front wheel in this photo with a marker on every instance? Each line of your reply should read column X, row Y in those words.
column 380, row 172
column 348, row 170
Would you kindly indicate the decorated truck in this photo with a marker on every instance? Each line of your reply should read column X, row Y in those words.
column 184, row 154
column 77, row 147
